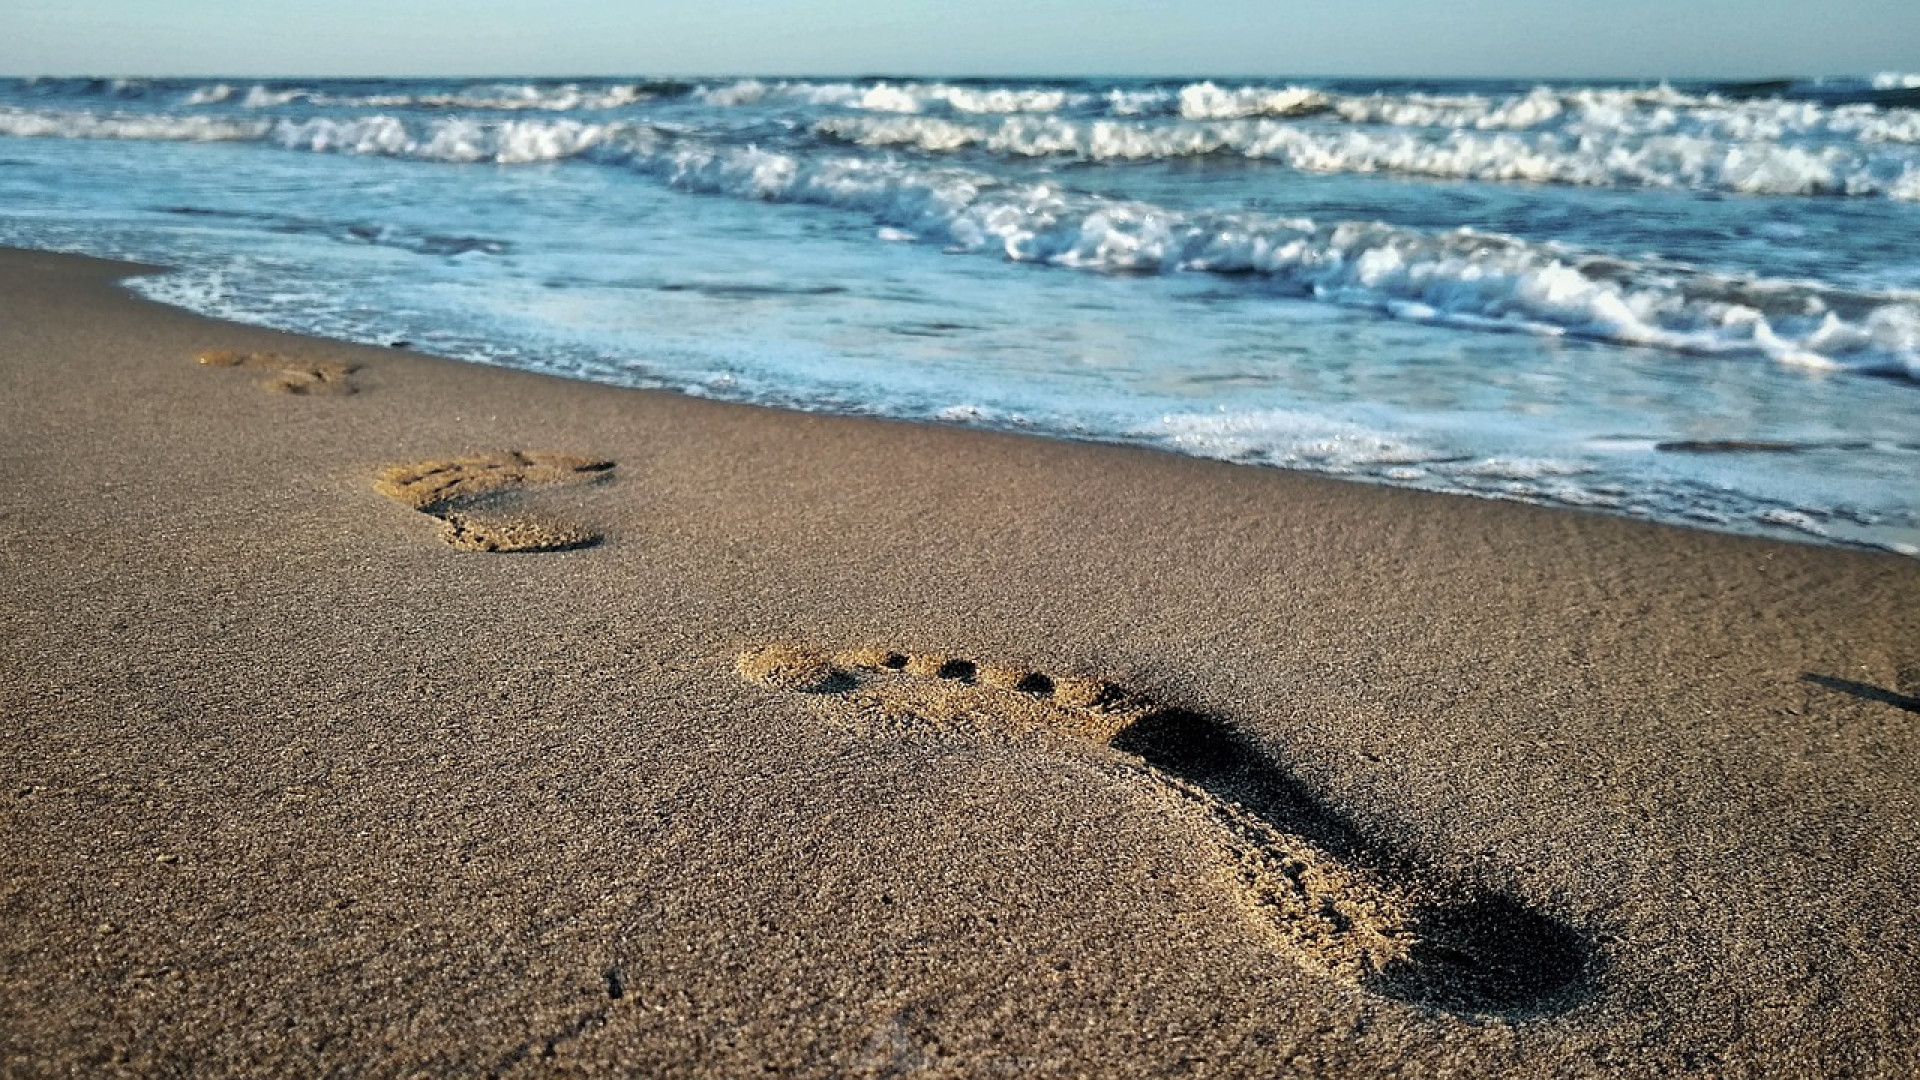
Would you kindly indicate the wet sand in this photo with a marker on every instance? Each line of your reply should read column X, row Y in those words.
column 367, row 713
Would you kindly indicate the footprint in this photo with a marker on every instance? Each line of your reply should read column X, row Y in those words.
column 287, row 374
column 1335, row 902
column 469, row 495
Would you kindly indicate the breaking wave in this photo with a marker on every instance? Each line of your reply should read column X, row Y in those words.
column 490, row 97
column 893, row 97
column 1642, row 110
column 1609, row 160
column 1458, row 278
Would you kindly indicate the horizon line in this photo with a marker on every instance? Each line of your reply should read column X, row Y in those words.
column 860, row 76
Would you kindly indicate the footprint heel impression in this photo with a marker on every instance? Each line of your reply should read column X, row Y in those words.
column 473, row 498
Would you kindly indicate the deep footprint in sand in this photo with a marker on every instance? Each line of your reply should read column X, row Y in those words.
column 286, row 374
column 1335, row 902
column 471, row 497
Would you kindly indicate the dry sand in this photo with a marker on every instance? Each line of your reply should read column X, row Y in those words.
column 835, row 747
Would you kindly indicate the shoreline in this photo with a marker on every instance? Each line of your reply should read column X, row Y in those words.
column 1798, row 537
column 293, row 782
column 1797, row 526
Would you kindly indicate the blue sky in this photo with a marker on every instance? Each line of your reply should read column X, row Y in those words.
column 1630, row 38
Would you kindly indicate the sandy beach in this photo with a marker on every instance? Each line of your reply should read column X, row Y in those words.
column 811, row 746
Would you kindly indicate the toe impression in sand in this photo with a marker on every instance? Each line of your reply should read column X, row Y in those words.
column 1354, row 910
column 284, row 374
column 471, row 497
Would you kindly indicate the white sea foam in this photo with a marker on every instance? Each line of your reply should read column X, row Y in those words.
column 492, row 97
column 1572, row 112
column 1611, row 160
column 970, row 100
column 259, row 97
column 1578, row 111
column 512, row 97
column 1511, row 468
column 1459, row 278
column 1793, row 519
column 888, row 97
column 1652, row 108
column 1750, row 168
column 1121, row 102
column 86, row 124
column 979, row 416
column 1205, row 101
column 733, row 94
column 208, row 95
column 508, row 142
column 1284, row 437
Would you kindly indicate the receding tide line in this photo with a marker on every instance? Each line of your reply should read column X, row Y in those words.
column 1335, row 902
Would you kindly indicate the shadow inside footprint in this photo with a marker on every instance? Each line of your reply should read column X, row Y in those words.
column 1484, row 953
column 1356, row 908
column 1490, row 954
column 1211, row 755
column 471, row 497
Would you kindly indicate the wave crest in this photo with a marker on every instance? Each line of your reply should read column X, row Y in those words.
column 1459, row 278
column 1754, row 168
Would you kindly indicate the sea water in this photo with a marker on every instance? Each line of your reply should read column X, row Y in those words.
column 1690, row 303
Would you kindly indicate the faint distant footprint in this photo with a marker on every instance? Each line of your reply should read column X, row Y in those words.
column 287, row 374
column 1336, row 902
column 471, row 497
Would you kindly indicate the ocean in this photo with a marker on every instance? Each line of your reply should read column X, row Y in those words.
column 1690, row 303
